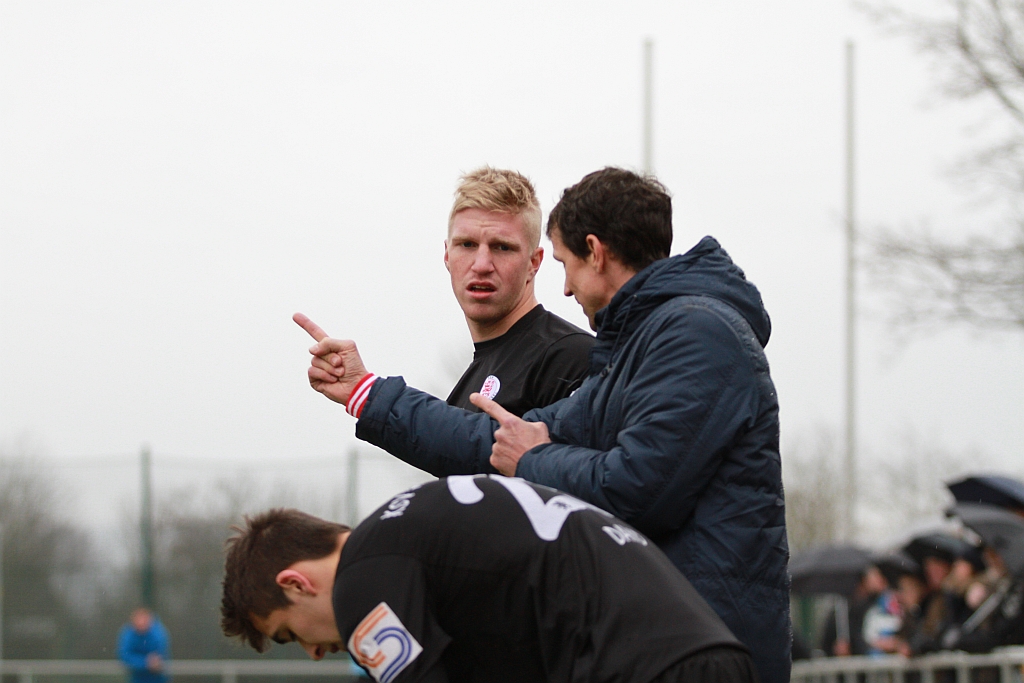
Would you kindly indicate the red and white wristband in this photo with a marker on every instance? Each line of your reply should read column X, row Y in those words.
column 357, row 399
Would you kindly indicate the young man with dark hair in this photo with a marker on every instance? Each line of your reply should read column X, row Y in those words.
column 269, row 543
column 675, row 431
column 480, row 578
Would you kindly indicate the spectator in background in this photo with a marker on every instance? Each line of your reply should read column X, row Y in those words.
column 144, row 647
column 882, row 622
column 932, row 615
column 911, row 593
column 884, row 616
column 866, row 596
column 956, row 586
column 988, row 581
column 1002, row 620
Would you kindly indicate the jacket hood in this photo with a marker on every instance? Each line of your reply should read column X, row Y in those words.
column 705, row 270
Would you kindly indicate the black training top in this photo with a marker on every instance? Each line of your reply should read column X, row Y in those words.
column 477, row 578
column 540, row 360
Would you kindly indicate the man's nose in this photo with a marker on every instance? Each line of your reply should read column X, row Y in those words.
column 315, row 652
column 482, row 262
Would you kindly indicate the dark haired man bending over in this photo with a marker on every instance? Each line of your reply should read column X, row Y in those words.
column 481, row 578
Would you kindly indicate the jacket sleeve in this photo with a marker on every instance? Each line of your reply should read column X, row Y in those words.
column 426, row 432
column 163, row 641
column 399, row 584
column 135, row 661
column 665, row 423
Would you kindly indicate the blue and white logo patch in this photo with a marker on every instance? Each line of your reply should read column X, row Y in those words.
column 382, row 645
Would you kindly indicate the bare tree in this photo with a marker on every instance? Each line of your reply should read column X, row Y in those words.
column 192, row 525
column 42, row 555
column 812, row 472
column 903, row 488
column 979, row 281
column 978, row 47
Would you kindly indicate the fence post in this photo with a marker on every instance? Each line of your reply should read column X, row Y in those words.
column 229, row 674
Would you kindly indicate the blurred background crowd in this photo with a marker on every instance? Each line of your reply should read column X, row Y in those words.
column 958, row 585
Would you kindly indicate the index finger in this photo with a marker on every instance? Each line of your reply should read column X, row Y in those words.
column 491, row 408
column 309, row 326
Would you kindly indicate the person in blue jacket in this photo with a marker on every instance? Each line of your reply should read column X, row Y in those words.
column 144, row 647
column 676, row 429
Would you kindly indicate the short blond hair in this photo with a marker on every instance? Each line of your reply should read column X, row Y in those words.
column 501, row 191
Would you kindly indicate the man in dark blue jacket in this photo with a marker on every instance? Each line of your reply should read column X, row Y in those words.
column 676, row 430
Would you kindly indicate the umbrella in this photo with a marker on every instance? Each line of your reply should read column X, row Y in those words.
column 828, row 569
column 894, row 565
column 995, row 490
column 937, row 544
column 1000, row 530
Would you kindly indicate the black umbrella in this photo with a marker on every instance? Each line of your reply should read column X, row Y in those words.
column 937, row 544
column 894, row 565
column 828, row 569
column 995, row 490
column 1000, row 530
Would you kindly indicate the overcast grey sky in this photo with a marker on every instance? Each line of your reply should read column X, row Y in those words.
column 179, row 178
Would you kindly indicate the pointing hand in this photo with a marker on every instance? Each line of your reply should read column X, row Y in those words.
column 514, row 437
column 336, row 367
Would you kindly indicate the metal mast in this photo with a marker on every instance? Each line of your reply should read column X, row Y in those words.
column 851, row 309
column 352, row 487
column 146, row 529
column 648, row 107
column 1, row 599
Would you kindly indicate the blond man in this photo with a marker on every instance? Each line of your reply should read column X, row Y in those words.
column 524, row 356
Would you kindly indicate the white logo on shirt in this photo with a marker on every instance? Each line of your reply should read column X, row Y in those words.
column 546, row 518
column 382, row 645
column 623, row 534
column 398, row 505
column 490, row 387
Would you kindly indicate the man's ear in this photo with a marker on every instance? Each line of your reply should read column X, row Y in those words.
column 598, row 253
column 447, row 267
column 535, row 260
column 294, row 582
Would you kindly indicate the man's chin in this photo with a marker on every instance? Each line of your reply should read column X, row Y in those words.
column 485, row 313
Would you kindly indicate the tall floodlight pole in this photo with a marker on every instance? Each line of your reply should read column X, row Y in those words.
column 352, row 488
column 146, row 528
column 648, row 106
column 1, row 601
column 851, row 310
